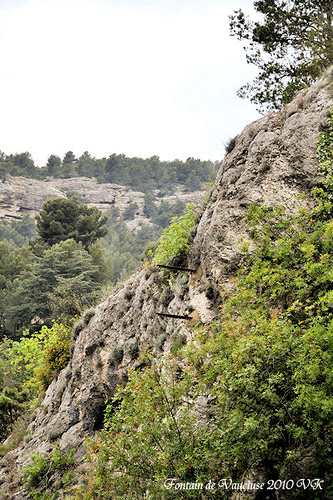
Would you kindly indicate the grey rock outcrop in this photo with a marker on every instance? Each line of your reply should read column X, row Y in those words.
column 20, row 196
column 272, row 161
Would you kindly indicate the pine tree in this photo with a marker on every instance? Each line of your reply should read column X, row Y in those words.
column 291, row 46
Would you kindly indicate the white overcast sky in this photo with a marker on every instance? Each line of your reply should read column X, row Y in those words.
column 139, row 77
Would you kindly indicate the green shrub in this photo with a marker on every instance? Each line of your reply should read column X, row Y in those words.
column 35, row 473
column 144, row 439
column 175, row 239
column 38, row 475
column 56, row 358
column 177, row 342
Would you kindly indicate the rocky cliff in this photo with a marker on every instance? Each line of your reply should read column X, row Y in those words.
column 270, row 162
column 20, row 196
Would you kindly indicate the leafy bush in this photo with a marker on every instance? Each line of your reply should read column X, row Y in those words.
column 42, row 355
column 175, row 239
column 177, row 342
column 38, row 475
column 56, row 357
column 132, row 348
column 144, row 442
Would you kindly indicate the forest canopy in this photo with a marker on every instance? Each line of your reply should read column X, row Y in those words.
column 136, row 173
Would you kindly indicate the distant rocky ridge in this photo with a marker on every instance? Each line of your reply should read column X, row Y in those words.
column 20, row 196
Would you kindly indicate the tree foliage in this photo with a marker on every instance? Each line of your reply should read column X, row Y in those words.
column 62, row 219
column 142, row 174
column 291, row 44
column 61, row 283
column 27, row 367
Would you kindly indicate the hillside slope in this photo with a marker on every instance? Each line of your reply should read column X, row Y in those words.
column 270, row 162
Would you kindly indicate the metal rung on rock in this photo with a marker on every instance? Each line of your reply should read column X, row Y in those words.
column 179, row 316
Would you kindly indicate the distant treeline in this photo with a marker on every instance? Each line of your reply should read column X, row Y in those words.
column 136, row 173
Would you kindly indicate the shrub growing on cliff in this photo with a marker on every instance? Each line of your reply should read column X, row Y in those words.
column 176, row 238
column 38, row 476
column 168, row 441
column 117, row 355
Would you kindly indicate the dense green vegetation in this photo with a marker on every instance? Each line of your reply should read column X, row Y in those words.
column 27, row 367
column 175, row 239
column 45, row 469
column 137, row 173
column 57, row 268
column 264, row 370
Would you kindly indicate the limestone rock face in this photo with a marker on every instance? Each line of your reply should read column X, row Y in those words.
column 20, row 196
column 270, row 162
column 273, row 160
